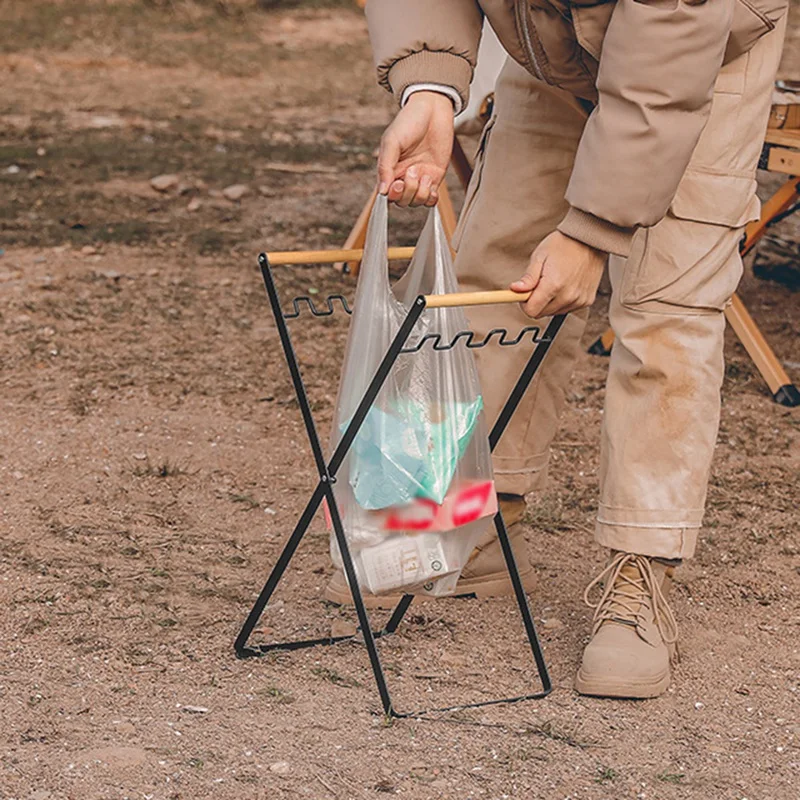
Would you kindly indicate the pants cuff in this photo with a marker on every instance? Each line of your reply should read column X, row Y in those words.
column 520, row 475
column 648, row 541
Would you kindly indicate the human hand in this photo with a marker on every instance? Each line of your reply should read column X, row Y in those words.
column 563, row 275
column 415, row 150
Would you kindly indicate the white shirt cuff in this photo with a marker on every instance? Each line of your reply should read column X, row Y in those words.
column 448, row 91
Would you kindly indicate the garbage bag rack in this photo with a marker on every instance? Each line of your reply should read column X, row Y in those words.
column 327, row 470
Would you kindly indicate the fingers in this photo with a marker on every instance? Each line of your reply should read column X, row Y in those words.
column 410, row 182
column 565, row 301
column 424, row 192
column 417, row 187
column 541, row 297
column 388, row 156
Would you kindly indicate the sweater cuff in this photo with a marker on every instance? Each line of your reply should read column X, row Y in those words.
column 596, row 232
column 447, row 91
column 431, row 66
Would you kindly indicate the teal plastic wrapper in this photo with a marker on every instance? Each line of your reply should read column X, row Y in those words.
column 406, row 454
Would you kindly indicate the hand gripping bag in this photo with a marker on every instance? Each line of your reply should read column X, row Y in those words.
column 416, row 489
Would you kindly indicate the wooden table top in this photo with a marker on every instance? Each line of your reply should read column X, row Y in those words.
column 782, row 137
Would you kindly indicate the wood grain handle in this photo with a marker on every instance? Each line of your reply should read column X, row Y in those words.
column 475, row 298
column 332, row 256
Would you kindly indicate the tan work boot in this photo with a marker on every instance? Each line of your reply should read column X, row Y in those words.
column 634, row 633
column 485, row 574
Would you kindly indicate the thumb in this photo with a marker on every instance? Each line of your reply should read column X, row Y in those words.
column 530, row 279
column 527, row 283
column 388, row 156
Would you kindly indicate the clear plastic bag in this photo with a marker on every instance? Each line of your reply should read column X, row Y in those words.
column 416, row 489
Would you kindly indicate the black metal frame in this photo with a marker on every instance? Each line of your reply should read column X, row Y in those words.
column 327, row 478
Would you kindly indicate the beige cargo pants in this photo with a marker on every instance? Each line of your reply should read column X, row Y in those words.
column 663, row 390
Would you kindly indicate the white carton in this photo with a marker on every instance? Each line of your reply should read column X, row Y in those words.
column 403, row 560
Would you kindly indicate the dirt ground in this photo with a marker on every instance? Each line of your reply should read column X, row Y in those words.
column 152, row 461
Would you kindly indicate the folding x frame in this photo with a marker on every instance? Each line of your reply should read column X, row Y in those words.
column 328, row 470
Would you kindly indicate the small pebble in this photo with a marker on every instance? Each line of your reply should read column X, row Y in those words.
column 163, row 183
column 235, row 192
column 280, row 768
column 341, row 627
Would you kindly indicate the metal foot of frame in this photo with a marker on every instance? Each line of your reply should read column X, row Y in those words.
column 327, row 478
column 788, row 395
column 599, row 346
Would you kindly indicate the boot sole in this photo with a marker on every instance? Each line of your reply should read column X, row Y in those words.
column 600, row 687
column 498, row 585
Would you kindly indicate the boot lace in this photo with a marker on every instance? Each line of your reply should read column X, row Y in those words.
column 625, row 599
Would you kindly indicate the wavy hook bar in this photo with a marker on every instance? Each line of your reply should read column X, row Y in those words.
column 330, row 306
column 470, row 343
column 325, row 307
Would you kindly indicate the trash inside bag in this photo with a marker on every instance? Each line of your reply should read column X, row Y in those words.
column 411, row 451
column 416, row 489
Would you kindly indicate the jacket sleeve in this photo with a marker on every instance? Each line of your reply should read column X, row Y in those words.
column 422, row 41
column 656, row 78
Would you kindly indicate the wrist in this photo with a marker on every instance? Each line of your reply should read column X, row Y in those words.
column 436, row 94
column 596, row 232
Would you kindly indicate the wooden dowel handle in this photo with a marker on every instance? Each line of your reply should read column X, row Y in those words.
column 332, row 256
column 451, row 300
column 475, row 298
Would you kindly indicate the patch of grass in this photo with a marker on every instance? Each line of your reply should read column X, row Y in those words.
column 167, row 622
column 248, row 501
column 567, row 735
column 278, row 694
column 605, row 774
column 35, row 625
column 671, row 777
column 332, row 676
column 160, row 469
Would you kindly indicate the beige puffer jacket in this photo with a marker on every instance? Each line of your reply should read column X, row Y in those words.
column 649, row 66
